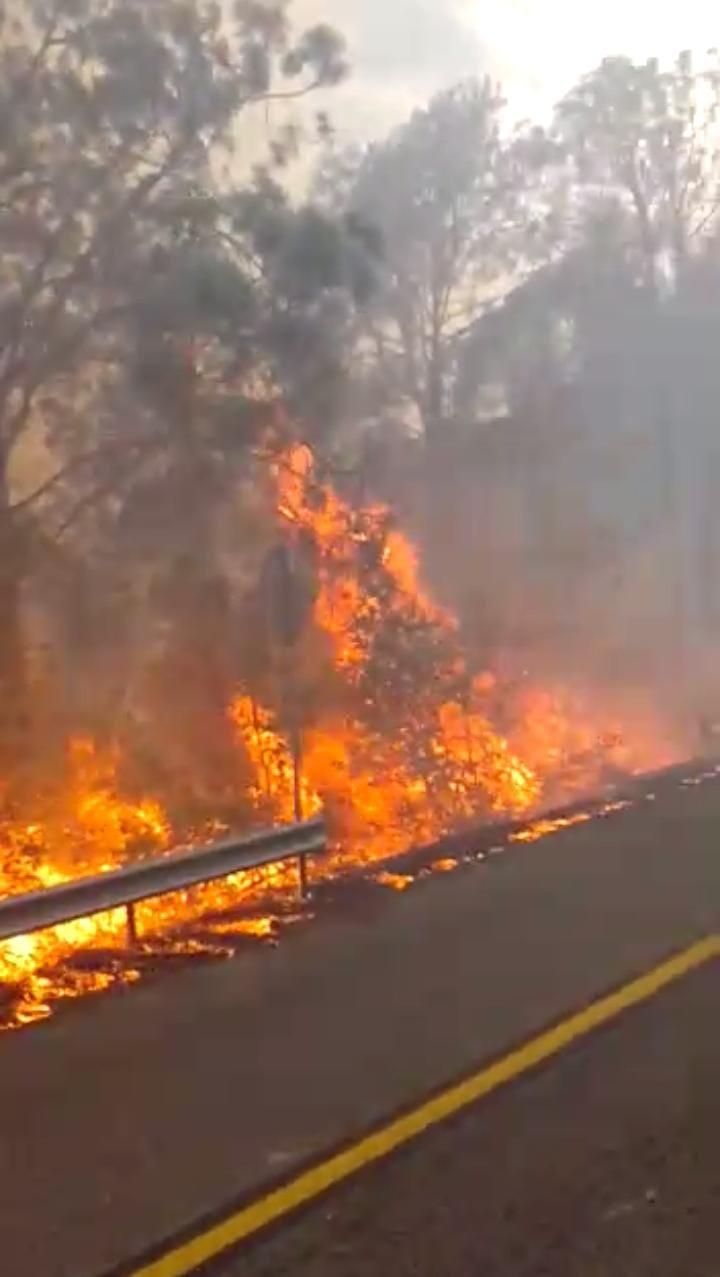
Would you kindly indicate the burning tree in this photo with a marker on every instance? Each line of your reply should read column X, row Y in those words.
column 403, row 739
column 396, row 742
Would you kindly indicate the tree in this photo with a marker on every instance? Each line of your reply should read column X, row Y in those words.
column 647, row 139
column 446, row 193
column 608, row 350
column 315, row 275
column 643, row 146
column 111, row 114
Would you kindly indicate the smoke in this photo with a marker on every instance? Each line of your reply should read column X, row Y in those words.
column 563, row 575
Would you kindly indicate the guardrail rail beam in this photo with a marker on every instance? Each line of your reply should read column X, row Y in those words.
column 20, row 915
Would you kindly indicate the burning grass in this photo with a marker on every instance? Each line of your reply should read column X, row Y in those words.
column 401, row 743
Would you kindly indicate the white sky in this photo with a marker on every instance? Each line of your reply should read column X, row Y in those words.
column 541, row 47
column 404, row 50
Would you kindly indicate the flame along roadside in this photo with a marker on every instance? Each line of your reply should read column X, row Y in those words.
column 391, row 783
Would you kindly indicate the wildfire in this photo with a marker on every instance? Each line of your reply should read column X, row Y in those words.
column 397, row 744
column 86, row 828
column 89, row 829
column 404, row 749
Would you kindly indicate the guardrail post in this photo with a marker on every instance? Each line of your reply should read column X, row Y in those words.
column 131, row 920
column 303, row 887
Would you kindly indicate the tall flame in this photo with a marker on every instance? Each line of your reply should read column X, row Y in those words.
column 407, row 751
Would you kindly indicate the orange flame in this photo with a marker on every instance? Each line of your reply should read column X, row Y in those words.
column 398, row 746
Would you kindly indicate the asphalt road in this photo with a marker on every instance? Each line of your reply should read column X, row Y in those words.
column 603, row 1164
column 129, row 1117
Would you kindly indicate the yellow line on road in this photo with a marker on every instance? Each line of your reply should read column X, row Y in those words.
column 183, row 1259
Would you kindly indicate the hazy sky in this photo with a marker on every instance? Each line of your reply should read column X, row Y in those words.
column 404, row 50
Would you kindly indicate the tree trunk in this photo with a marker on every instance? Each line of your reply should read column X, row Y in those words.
column 13, row 680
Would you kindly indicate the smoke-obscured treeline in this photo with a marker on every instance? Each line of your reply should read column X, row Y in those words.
column 511, row 336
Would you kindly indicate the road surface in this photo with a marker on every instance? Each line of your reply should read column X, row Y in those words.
column 605, row 1164
column 130, row 1117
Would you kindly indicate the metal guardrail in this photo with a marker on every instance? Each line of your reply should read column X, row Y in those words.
column 83, row 897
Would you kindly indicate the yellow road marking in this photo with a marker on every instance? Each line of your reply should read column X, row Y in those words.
column 185, row 1258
